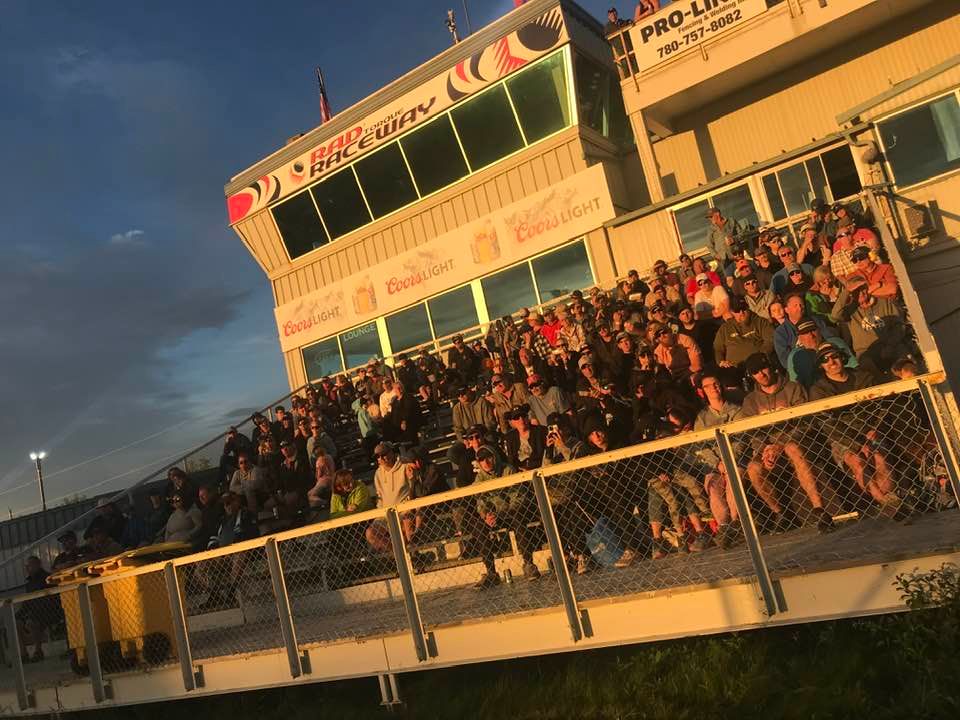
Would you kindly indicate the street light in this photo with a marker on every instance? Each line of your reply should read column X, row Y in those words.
column 38, row 457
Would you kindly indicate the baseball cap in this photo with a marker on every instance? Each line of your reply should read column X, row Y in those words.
column 756, row 362
column 805, row 326
column 793, row 267
column 824, row 349
column 623, row 336
column 584, row 360
column 859, row 253
column 738, row 304
column 702, row 276
column 384, row 448
column 475, row 429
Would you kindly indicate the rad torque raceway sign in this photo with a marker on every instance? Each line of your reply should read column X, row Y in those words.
column 684, row 24
column 484, row 67
column 515, row 232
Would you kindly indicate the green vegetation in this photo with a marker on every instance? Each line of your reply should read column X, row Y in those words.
column 893, row 666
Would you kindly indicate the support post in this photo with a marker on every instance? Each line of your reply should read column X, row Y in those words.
column 90, row 641
column 24, row 698
column 179, row 620
column 770, row 599
column 940, row 431
column 405, row 574
column 287, row 630
column 559, row 559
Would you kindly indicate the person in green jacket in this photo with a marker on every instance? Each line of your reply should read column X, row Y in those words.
column 349, row 496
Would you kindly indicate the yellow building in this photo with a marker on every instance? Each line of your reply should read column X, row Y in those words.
column 473, row 185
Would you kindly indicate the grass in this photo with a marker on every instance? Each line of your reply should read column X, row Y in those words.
column 894, row 666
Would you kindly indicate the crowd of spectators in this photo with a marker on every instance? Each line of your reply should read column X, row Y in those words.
column 758, row 324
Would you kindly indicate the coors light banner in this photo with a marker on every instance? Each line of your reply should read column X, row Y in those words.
column 543, row 220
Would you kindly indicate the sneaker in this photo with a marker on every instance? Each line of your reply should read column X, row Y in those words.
column 487, row 580
column 700, row 543
column 626, row 560
column 727, row 536
column 661, row 548
column 531, row 571
column 824, row 522
column 583, row 564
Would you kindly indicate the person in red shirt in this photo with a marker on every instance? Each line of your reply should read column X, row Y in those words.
column 700, row 267
column 880, row 278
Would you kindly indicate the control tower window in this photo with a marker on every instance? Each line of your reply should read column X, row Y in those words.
column 539, row 94
column 385, row 180
column 409, row 328
column 508, row 290
column 562, row 271
column 434, row 155
column 453, row 311
column 341, row 203
column 360, row 344
column 487, row 127
column 299, row 225
column 322, row 358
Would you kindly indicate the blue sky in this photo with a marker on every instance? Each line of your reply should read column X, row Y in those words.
column 129, row 306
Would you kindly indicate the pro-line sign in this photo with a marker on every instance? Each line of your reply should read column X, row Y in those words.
column 685, row 24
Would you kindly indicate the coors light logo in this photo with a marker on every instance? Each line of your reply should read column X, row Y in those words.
column 556, row 209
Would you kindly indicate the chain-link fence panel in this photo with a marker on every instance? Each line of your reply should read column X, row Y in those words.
column 340, row 587
column 139, row 632
column 229, row 604
column 51, row 640
column 648, row 521
column 479, row 555
column 855, row 484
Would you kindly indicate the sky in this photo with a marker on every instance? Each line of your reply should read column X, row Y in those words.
column 134, row 324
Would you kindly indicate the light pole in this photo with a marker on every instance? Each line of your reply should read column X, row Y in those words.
column 38, row 457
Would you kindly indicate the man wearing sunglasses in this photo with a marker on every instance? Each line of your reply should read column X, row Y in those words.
column 781, row 279
column 777, row 449
column 856, row 442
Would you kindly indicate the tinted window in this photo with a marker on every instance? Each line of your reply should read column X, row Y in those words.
column 360, row 344
column 562, row 271
column 487, row 127
column 841, row 172
column 299, row 225
column 772, row 189
column 434, row 155
column 539, row 94
column 737, row 205
column 508, row 291
column 408, row 328
column 923, row 142
column 322, row 358
column 453, row 311
column 340, row 203
column 796, row 189
column 385, row 180
column 692, row 225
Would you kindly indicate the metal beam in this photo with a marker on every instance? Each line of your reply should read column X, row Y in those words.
column 560, row 568
column 287, row 630
column 90, row 641
column 770, row 599
column 178, row 618
column 24, row 698
column 405, row 573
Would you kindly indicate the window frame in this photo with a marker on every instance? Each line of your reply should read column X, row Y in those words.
column 955, row 92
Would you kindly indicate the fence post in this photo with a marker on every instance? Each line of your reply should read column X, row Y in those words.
column 405, row 573
column 770, row 599
column 559, row 560
column 287, row 630
column 178, row 618
column 90, row 641
column 24, row 698
column 940, row 432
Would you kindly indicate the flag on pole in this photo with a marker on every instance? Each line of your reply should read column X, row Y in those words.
column 325, row 113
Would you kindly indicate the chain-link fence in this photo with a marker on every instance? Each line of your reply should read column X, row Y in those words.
column 49, row 637
column 859, row 483
column 482, row 553
column 340, row 586
column 648, row 521
column 229, row 604
column 138, row 630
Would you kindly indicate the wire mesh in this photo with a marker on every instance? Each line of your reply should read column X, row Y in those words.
column 51, row 638
column 480, row 555
column 340, row 587
column 138, row 632
column 852, row 485
column 649, row 521
column 229, row 604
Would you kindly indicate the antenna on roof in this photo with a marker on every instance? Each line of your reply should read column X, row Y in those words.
column 452, row 27
column 466, row 16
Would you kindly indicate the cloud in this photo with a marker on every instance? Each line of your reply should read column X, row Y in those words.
column 130, row 238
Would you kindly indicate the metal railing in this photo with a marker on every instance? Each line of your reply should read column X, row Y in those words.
column 857, row 479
